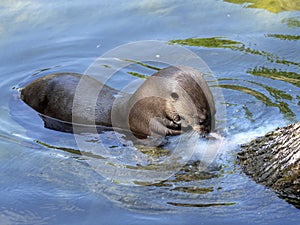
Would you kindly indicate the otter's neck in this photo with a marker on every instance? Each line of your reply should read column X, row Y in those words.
column 120, row 111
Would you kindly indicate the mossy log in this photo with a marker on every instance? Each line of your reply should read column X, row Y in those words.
column 274, row 160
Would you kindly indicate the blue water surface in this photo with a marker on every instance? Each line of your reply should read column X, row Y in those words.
column 42, row 181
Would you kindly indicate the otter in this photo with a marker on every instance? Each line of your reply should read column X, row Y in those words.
column 171, row 101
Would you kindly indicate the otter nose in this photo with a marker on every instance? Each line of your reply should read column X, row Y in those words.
column 196, row 119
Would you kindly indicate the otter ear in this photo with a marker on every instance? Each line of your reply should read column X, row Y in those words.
column 174, row 96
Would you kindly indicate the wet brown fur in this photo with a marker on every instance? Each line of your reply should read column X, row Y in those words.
column 170, row 101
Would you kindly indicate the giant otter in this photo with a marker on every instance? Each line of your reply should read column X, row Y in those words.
column 172, row 100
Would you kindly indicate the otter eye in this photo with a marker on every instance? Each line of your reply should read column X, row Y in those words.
column 174, row 95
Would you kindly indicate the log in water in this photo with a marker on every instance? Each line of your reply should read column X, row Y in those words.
column 274, row 160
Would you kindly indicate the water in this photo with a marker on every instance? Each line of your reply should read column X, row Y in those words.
column 252, row 52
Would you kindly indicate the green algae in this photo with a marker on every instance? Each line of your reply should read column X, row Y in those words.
column 225, row 43
column 274, row 6
column 282, row 106
column 138, row 75
column 70, row 150
column 285, row 37
column 277, row 94
column 212, row 42
column 142, row 64
column 275, row 74
column 194, row 190
column 292, row 22
column 248, row 113
column 201, row 205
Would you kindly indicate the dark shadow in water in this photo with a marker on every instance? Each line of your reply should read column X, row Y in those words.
column 70, row 150
column 202, row 205
column 183, row 189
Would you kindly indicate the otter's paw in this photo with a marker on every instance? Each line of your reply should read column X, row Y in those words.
column 173, row 120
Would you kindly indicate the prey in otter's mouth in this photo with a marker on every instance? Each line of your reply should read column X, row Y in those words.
column 170, row 102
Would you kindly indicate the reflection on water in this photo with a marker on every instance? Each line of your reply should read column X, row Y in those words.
column 290, row 77
column 221, row 42
column 287, row 76
column 284, row 109
column 274, row 6
column 285, row 37
column 292, row 22
column 213, row 42
column 48, row 180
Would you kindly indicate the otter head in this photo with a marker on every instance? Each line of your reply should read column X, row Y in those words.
column 171, row 101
